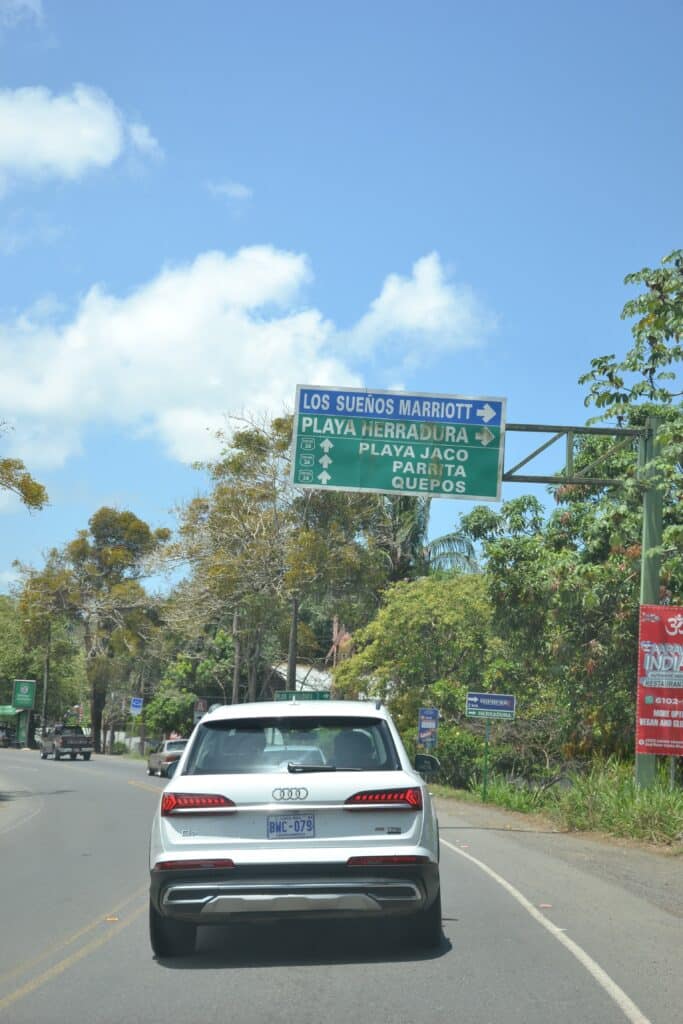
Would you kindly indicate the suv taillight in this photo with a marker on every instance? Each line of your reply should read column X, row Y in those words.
column 387, row 799
column 194, row 803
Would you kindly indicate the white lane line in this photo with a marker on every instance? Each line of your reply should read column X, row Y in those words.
column 626, row 1005
column 21, row 821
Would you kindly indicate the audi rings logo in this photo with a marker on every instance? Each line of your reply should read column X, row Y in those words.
column 290, row 794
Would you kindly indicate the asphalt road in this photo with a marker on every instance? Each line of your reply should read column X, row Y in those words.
column 540, row 928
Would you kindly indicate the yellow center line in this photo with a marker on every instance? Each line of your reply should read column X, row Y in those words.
column 144, row 785
column 64, row 965
column 26, row 965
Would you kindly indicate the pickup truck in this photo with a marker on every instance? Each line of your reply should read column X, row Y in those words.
column 63, row 740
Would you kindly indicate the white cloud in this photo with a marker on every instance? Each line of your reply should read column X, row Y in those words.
column 143, row 140
column 23, row 228
column 14, row 11
column 62, row 136
column 425, row 313
column 221, row 334
column 232, row 190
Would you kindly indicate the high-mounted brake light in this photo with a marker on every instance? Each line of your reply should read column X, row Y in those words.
column 387, row 799
column 192, row 865
column 193, row 803
column 362, row 862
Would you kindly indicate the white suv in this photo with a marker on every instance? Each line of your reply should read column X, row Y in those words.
column 294, row 809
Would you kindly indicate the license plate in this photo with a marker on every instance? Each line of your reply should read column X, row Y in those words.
column 291, row 826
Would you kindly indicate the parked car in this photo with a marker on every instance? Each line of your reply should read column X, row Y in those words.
column 290, row 810
column 7, row 735
column 66, row 740
column 166, row 753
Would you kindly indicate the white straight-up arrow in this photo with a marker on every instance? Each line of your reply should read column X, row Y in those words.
column 486, row 412
column 326, row 445
column 325, row 461
column 324, row 477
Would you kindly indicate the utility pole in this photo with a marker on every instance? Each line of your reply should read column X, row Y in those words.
column 649, row 562
column 46, row 674
column 292, row 651
column 236, row 665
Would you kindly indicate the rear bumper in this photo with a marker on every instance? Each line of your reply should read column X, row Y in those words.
column 309, row 891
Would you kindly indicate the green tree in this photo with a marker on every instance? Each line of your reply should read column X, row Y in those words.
column 115, row 614
column 398, row 529
column 15, row 660
column 170, row 710
column 645, row 373
column 265, row 555
column 22, row 656
column 430, row 642
column 16, row 478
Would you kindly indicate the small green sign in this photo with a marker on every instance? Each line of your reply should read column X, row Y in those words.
column 24, row 694
column 301, row 695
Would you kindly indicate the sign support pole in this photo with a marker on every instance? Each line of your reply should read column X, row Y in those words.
column 487, row 733
column 650, row 562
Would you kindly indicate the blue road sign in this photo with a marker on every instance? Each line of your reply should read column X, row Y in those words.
column 491, row 705
column 427, row 726
column 136, row 705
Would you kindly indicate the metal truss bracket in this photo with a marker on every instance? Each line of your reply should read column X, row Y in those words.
column 622, row 436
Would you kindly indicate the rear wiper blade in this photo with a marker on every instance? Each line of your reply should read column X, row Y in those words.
column 301, row 768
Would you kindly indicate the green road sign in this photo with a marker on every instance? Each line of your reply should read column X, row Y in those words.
column 389, row 442
column 302, row 695
column 24, row 694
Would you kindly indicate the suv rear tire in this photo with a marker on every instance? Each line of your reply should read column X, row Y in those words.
column 426, row 931
column 168, row 937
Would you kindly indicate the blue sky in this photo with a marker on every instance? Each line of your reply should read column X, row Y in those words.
column 204, row 204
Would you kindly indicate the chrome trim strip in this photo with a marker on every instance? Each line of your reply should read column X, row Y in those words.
column 241, row 897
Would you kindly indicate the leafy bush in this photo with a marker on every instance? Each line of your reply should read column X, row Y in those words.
column 608, row 800
column 119, row 747
column 459, row 753
column 514, row 796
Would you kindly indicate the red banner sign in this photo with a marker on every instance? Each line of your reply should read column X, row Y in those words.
column 659, row 716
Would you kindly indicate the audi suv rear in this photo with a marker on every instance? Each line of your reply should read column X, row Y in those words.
column 293, row 810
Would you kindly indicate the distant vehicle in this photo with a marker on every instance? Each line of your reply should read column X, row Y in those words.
column 294, row 811
column 7, row 736
column 65, row 741
column 167, row 753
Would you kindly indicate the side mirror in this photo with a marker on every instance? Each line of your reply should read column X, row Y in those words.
column 171, row 770
column 426, row 764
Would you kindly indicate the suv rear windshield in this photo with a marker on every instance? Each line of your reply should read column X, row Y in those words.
column 176, row 744
column 251, row 745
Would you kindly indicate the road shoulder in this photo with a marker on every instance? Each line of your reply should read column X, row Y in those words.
column 652, row 873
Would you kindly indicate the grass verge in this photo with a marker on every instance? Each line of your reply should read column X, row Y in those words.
column 606, row 799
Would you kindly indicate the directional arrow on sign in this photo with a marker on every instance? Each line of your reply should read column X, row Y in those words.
column 486, row 412
column 485, row 436
column 326, row 445
column 325, row 461
column 324, row 477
